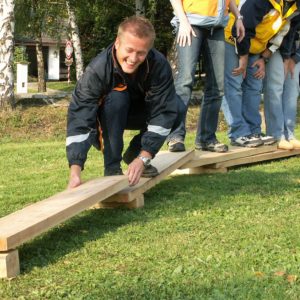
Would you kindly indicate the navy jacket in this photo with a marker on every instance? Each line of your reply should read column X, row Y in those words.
column 154, row 82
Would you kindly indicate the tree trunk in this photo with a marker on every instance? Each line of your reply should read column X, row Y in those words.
column 40, row 65
column 75, row 41
column 7, row 25
column 140, row 7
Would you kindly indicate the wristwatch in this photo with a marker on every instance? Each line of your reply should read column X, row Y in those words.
column 146, row 160
column 240, row 17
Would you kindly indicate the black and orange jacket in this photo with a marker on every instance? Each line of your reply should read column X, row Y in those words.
column 154, row 82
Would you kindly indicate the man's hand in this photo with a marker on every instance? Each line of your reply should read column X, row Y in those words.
column 185, row 33
column 260, row 72
column 241, row 69
column 240, row 30
column 289, row 67
column 135, row 170
column 74, row 179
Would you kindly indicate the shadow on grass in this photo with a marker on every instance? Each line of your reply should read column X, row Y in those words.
column 173, row 197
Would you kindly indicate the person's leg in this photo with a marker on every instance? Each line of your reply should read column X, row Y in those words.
column 113, row 120
column 187, row 59
column 213, row 57
column 289, row 98
column 252, row 88
column 238, row 127
column 273, row 95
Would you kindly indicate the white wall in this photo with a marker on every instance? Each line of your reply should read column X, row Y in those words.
column 22, row 78
column 53, row 63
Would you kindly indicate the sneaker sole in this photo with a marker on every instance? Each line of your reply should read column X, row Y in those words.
column 269, row 143
column 246, row 146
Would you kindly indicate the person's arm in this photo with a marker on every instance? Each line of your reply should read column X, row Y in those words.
column 253, row 12
column 75, row 178
column 81, row 123
column 240, row 29
column 185, row 30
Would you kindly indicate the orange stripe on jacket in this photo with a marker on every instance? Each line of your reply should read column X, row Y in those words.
column 120, row 87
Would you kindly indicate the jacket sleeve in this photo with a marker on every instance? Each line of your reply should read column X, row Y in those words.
column 253, row 12
column 161, row 104
column 288, row 46
column 82, row 117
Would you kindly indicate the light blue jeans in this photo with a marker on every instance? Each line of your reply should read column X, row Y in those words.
column 242, row 97
column 211, row 44
column 280, row 99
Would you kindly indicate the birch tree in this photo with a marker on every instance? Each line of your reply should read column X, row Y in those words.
column 140, row 8
column 6, row 54
column 76, row 41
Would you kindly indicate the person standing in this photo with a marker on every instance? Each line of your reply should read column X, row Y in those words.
column 200, row 29
column 281, row 89
column 245, row 67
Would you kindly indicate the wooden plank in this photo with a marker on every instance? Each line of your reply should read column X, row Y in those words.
column 165, row 162
column 256, row 158
column 199, row 171
column 202, row 158
column 9, row 264
column 32, row 220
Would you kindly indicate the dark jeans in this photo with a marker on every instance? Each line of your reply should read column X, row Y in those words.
column 119, row 112
column 212, row 46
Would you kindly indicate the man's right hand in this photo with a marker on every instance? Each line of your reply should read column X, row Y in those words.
column 74, row 179
column 185, row 33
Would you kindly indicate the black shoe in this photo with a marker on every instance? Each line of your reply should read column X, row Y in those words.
column 213, row 146
column 266, row 139
column 149, row 171
column 131, row 154
column 176, row 145
column 109, row 172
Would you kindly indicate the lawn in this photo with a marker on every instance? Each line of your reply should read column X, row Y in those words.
column 222, row 236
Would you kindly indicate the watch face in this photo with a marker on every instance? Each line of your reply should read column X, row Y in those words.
column 145, row 160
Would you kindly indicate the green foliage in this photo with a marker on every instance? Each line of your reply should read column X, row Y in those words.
column 36, row 17
column 20, row 55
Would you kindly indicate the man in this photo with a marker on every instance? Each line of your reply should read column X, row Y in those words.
column 128, row 85
column 245, row 67
column 200, row 26
column 281, row 89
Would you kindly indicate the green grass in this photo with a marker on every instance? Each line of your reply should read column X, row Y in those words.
column 222, row 236
column 61, row 86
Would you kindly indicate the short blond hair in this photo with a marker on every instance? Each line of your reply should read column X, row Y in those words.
column 138, row 26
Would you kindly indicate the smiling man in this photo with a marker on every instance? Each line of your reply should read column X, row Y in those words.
column 129, row 85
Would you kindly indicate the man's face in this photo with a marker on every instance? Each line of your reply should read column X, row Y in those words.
column 131, row 51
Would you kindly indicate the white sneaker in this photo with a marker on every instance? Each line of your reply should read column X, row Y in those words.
column 247, row 141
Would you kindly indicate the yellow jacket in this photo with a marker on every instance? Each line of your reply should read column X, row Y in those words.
column 205, row 13
column 271, row 23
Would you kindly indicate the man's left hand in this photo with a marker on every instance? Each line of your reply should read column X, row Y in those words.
column 260, row 65
column 135, row 170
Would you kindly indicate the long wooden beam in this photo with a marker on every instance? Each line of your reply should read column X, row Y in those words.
column 18, row 227
column 202, row 158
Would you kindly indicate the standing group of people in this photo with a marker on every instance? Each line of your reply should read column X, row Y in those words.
column 259, row 53
column 130, row 85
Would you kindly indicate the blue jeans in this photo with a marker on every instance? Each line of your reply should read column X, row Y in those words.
column 242, row 97
column 121, row 111
column 280, row 99
column 212, row 43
